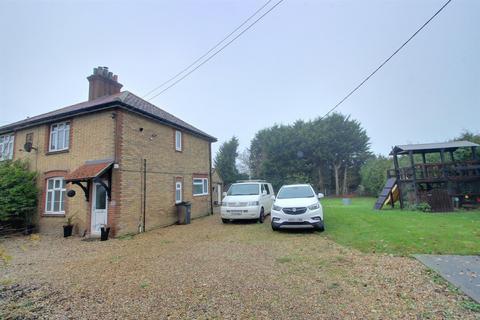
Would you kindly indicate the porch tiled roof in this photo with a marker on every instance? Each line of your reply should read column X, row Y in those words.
column 88, row 171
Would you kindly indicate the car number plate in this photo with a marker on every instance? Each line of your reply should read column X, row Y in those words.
column 295, row 220
column 236, row 211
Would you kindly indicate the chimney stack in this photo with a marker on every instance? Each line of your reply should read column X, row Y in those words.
column 102, row 83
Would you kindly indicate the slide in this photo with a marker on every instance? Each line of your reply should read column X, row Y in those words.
column 389, row 194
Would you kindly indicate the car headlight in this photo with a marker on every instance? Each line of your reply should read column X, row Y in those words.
column 277, row 208
column 314, row 206
column 224, row 203
column 253, row 203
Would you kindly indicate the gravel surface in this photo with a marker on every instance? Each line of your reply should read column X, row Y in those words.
column 208, row 270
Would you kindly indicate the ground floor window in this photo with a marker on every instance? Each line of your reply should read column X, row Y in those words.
column 200, row 186
column 178, row 191
column 55, row 196
column 6, row 147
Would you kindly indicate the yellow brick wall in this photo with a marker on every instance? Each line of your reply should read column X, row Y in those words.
column 155, row 143
column 92, row 138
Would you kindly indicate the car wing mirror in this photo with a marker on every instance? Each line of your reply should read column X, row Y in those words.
column 272, row 197
column 264, row 192
column 224, row 194
column 320, row 196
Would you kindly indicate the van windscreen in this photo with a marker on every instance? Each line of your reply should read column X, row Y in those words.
column 243, row 189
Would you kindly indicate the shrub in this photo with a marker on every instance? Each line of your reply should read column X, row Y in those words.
column 18, row 191
column 374, row 174
column 422, row 206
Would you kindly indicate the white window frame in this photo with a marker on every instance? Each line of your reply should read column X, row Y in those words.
column 7, row 142
column 178, row 191
column 49, row 209
column 59, row 135
column 204, row 183
column 178, row 140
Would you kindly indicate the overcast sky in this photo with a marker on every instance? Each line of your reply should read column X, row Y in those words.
column 296, row 63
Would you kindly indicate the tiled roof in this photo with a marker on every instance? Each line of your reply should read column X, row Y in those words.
column 123, row 99
column 88, row 171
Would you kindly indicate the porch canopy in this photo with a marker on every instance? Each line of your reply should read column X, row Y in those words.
column 93, row 170
column 432, row 147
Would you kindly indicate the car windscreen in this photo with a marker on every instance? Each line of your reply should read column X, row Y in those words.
column 243, row 189
column 295, row 192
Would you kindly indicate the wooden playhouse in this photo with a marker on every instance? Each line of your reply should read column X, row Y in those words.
column 444, row 175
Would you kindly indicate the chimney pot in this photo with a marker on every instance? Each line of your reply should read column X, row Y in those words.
column 102, row 83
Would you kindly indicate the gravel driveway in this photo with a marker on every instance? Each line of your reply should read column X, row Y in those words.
column 208, row 270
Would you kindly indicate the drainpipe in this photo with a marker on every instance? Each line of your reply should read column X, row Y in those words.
column 144, row 192
column 210, row 176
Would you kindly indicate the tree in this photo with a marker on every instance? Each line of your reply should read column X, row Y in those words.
column 225, row 161
column 243, row 163
column 347, row 147
column 374, row 174
column 18, row 191
column 466, row 154
column 315, row 152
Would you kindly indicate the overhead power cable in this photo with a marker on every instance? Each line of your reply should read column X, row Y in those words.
column 385, row 61
column 219, row 50
column 210, row 50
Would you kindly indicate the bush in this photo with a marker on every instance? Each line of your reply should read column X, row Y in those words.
column 374, row 174
column 18, row 192
column 422, row 206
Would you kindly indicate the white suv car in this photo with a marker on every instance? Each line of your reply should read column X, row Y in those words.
column 251, row 199
column 297, row 206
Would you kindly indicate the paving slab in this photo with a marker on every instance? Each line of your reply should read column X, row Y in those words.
column 461, row 271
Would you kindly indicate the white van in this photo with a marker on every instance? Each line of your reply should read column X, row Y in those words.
column 252, row 199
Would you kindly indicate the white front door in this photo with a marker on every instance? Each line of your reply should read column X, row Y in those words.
column 99, row 207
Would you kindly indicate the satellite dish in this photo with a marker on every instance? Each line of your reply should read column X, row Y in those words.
column 71, row 193
column 27, row 146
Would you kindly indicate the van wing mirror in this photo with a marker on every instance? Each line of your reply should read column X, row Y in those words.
column 273, row 197
column 264, row 192
column 224, row 194
column 320, row 196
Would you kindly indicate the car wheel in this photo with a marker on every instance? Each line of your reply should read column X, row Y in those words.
column 274, row 228
column 321, row 228
column 225, row 220
column 261, row 218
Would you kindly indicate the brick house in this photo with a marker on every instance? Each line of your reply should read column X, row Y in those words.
column 127, row 161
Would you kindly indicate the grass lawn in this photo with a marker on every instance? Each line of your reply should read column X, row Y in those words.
column 401, row 232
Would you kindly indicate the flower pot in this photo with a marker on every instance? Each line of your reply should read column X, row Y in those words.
column 67, row 230
column 104, row 233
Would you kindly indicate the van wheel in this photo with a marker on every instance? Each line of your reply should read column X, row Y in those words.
column 261, row 218
column 225, row 220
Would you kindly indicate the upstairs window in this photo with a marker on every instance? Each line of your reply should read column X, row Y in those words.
column 200, row 186
column 6, row 147
column 55, row 201
column 178, row 140
column 59, row 136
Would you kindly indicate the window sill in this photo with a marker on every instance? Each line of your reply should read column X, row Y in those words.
column 200, row 195
column 60, row 215
column 57, row 152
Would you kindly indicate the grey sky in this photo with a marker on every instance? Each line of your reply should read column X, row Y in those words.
column 295, row 64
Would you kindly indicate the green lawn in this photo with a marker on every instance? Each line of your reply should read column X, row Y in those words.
column 401, row 232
